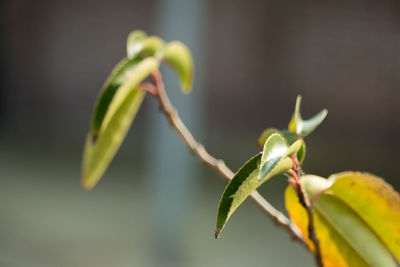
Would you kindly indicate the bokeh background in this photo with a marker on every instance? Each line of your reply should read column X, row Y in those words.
column 156, row 206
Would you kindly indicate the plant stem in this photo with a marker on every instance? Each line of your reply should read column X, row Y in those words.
column 308, row 206
column 217, row 165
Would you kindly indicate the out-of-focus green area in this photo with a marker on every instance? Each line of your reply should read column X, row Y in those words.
column 251, row 61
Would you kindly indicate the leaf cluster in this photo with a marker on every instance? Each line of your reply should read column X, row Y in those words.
column 122, row 95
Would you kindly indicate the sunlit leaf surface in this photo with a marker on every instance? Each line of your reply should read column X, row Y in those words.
column 139, row 43
column 345, row 238
column 289, row 137
column 377, row 203
column 119, row 115
column 113, row 83
column 178, row 55
column 240, row 187
column 305, row 127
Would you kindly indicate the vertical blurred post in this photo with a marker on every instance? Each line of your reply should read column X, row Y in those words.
column 172, row 170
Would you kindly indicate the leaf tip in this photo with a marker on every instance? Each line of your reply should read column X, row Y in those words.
column 86, row 184
column 186, row 89
column 217, row 233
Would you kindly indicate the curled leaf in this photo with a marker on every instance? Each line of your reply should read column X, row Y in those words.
column 305, row 127
column 119, row 115
column 112, row 84
column 138, row 42
column 274, row 151
column 288, row 136
column 178, row 56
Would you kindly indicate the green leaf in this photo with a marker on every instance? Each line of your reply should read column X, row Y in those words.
column 376, row 202
column 289, row 137
column 241, row 186
column 134, row 43
column 121, row 111
column 138, row 42
column 131, row 81
column 305, row 127
column 345, row 238
column 178, row 55
column 112, row 84
column 275, row 150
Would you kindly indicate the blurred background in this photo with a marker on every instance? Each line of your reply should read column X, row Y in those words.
column 156, row 205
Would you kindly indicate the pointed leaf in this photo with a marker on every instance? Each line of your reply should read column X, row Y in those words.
column 179, row 57
column 276, row 149
column 138, row 42
column 377, row 203
column 305, row 127
column 121, row 111
column 97, row 156
column 345, row 239
column 241, row 186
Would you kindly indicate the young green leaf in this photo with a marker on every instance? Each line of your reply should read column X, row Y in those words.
column 376, row 202
column 112, row 84
column 241, row 186
column 117, row 120
column 289, row 137
column 345, row 239
column 130, row 81
column 179, row 57
column 305, row 127
column 275, row 150
column 138, row 42
column 97, row 156
column 134, row 42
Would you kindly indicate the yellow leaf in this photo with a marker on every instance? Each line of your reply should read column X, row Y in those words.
column 375, row 201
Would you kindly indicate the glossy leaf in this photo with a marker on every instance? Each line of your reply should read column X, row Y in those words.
column 131, row 80
column 377, row 203
column 112, row 84
column 119, row 116
column 289, row 137
column 138, row 42
column 345, row 239
column 305, row 127
column 275, row 150
column 178, row 55
column 241, row 186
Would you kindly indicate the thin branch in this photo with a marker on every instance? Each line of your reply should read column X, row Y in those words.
column 218, row 165
column 308, row 206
